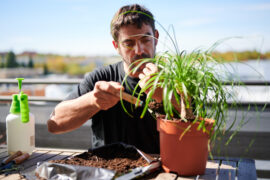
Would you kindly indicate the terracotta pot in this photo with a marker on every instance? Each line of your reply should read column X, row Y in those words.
column 186, row 156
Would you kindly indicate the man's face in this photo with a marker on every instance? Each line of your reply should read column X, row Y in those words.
column 134, row 44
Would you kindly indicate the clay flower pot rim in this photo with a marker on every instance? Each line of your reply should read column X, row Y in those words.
column 207, row 120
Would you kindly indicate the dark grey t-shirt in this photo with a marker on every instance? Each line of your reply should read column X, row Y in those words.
column 118, row 126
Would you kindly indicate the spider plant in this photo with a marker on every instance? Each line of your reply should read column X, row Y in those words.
column 188, row 78
column 191, row 82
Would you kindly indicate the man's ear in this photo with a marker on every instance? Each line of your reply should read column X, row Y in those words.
column 156, row 37
column 115, row 44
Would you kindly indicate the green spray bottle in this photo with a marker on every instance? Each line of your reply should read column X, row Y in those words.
column 20, row 124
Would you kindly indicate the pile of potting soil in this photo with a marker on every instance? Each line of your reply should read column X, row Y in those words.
column 111, row 158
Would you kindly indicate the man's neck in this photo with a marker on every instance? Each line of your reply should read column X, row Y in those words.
column 127, row 71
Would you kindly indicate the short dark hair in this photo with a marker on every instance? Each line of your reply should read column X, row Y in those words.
column 131, row 15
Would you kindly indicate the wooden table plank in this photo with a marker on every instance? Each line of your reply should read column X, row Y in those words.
column 3, row 150
column 61, row 150
column 33, row 161
column 166, row 176
column 29, row 173
column 13, row 177
column 77, row 153
column 187, row 178
column 227, row 170
column 246, row 170
column 37, row 154
column 211, row 171
column 40, row 154
column 3, row 155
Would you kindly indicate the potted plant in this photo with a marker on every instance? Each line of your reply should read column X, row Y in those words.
column 187, row 126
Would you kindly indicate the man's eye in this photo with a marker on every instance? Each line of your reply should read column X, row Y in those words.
column 128, row 44
column 146, row 40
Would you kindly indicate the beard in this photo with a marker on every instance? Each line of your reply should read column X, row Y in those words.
column 137, row 57
column 132, row 64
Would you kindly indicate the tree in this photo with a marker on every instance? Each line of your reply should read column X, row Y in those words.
column 57, row 64
column 30, row 62
column 11, row 60
column 2, row 60
column 45, row 69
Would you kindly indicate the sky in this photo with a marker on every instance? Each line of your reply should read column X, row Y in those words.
column 82, row 27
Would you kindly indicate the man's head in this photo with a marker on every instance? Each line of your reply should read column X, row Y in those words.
column 134, row 34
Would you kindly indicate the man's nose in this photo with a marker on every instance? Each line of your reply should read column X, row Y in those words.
column 139, row 49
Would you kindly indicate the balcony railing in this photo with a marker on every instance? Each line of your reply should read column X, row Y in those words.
column 39, row 81
column 77, row 81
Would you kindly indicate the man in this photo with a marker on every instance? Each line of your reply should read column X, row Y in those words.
column 134, row 37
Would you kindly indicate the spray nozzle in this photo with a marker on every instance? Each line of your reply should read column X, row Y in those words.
column 20, row 83
column 20, row 103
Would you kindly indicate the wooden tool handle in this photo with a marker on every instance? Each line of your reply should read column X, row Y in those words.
column 21, row 158
column 130, row 98
column 11, row 157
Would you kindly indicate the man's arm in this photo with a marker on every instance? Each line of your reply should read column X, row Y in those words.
column 71, row 114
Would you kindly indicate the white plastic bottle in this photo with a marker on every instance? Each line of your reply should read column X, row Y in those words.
column 20, row 126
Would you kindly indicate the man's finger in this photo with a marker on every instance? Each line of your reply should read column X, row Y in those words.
column 152, row 67
column 147, row 71
column 116, row 84
column 143, row 79
column 116, row 87
column 108, row 86
column 141, row 76
column 107, row 97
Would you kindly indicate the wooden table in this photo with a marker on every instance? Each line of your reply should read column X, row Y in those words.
column 219, row 168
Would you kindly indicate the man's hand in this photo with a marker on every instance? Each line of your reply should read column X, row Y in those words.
column 145, row 75
column 106, row 94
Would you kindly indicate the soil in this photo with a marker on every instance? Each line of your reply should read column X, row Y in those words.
column 158, row 110
column 156, row 107
column 109, row 158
